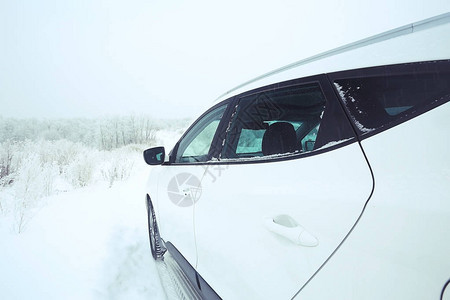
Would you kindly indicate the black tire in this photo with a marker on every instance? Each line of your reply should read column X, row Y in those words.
column 156, row 246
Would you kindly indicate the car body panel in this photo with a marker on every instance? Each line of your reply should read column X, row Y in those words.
column 175, row 222
column 324, row 193
column 400, row 248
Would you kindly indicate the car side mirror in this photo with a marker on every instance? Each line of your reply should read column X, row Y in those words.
column 154, row 156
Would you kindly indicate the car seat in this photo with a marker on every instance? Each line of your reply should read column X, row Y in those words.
column 279, row 138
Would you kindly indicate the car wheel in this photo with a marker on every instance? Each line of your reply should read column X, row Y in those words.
column 156, row 246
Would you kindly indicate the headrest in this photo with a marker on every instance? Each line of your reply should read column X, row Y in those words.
column 280, row 137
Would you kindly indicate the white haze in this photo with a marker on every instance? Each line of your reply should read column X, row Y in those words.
column 168, row 59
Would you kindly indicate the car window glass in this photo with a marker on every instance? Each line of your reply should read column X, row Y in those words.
column 195, row 145
column 375, row 101
column 250, row 141
column 275, row 121
column 309, row 140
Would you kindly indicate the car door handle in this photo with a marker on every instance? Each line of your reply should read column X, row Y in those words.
column 287, row 227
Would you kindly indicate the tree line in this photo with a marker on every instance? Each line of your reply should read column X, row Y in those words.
column 39, row 158
column 103, row 134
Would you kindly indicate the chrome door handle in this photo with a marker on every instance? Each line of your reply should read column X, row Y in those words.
column 287, row 227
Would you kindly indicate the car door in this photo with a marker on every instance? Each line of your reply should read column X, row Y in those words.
column 177, row 185
column 403, row 112
column 289, row 184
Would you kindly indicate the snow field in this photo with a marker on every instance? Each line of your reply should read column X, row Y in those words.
column 73, row 221
column 89, row 243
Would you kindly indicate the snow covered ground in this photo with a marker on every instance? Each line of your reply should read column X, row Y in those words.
column 87, row 243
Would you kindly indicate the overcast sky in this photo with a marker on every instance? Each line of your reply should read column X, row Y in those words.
column 89, row 58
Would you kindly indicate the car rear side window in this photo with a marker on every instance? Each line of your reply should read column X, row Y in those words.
column 381, row 97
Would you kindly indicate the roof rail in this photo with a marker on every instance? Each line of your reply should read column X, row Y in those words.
column 403, row 30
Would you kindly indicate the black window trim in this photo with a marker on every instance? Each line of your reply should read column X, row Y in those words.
column 423, row 67
column 233, row 101
column 329, row 94
column 326, row 82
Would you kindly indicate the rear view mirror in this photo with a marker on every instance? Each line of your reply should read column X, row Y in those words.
column 154, row 156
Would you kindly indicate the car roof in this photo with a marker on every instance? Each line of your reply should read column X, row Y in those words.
column 425, row 40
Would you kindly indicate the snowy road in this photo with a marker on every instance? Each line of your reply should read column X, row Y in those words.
column 89, row 243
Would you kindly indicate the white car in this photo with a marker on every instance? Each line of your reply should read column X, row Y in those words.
column 326, row 179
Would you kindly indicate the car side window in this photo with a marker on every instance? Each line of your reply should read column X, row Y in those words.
column 195, row 145
column 379, row 97
column 275, row 121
